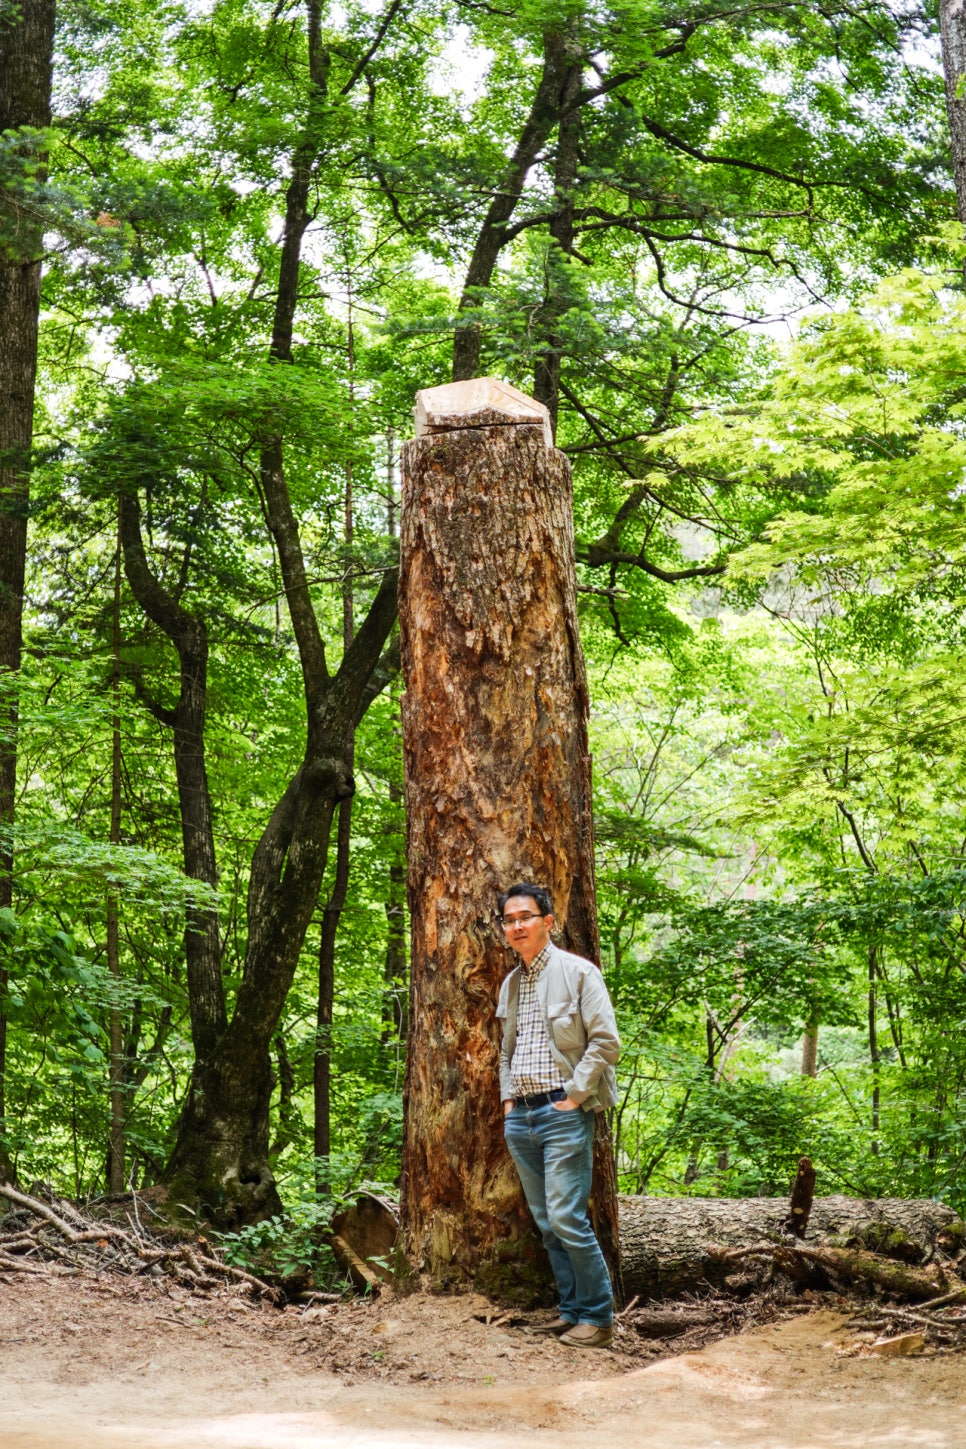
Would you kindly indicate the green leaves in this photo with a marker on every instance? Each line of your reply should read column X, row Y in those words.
column 51, row 991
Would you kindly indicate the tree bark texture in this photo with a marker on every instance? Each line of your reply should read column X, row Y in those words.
column 952, row 30
column 810, row 1050
column 26, row 47
column 116, row 1071
column 803, row 1196
column 188, row 634
column 673, row 1245
column 497, row 790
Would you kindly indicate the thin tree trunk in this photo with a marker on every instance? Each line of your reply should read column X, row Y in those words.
column 115, row 1153
column 810, row 1050
column 544, row 114
column 26, row 49
column 188, row 634
column 497, row 790
column 952, row 30
column 322, row 1075
column 395, row 1015
column 546, row 373
column 287, row 1112
column 322, row 1062
column 874, row 1048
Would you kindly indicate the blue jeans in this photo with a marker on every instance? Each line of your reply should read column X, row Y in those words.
column 554, row 1154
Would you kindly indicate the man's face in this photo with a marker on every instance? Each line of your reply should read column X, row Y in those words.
column 524, row 927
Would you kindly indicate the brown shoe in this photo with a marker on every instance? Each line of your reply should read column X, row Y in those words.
column 554, row 1329
column 589, row 1335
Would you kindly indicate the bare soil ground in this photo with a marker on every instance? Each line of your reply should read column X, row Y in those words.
column 98, row 1362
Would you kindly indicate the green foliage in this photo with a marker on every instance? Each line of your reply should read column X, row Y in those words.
column 779, row 750
column 295, row 1246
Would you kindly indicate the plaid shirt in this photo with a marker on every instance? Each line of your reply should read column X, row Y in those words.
column 533, row 1067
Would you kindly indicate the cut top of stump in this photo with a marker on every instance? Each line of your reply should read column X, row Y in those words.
column 482, row 402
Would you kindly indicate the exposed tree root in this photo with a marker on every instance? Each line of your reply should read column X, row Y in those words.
column 39, row 1248
column 808, row 1266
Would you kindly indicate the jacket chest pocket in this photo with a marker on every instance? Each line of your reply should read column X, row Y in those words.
column 566, row 1025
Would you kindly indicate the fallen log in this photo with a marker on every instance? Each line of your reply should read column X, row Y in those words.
column 673, row 1245
column 363, row 1238
column 669, row 1322
column 851, row 1268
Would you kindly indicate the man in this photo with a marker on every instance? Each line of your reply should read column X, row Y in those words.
column 560, row 1045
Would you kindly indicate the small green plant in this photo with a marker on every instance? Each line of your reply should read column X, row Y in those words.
column 285, row 1247
column 294, row 1247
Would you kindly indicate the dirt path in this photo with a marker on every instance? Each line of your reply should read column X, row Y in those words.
column 88, row 1364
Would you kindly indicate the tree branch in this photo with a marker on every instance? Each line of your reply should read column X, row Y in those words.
column 380, row 36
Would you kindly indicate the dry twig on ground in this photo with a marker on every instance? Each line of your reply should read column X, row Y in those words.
column 39, row 1247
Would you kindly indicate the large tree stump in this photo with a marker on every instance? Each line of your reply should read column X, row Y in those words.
column 497, row 790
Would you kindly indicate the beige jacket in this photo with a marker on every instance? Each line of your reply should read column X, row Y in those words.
column 581, row 1028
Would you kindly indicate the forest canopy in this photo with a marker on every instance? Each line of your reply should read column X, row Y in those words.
column 720, row 242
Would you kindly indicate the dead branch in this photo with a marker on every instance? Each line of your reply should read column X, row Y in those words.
column 861, row 1270
column 97, row 1244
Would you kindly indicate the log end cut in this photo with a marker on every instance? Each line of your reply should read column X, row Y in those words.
column 482, row 402
column 364, row 1240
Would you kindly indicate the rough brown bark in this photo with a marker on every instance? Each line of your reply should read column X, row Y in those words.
column 497, row 789
column 803, row 1195
column 672, row 1245
column 952, row 30
column 26, row 47
column 189, row 636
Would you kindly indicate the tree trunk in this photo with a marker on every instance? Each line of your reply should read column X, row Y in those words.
column 546, row 372
column 325, row 1001
column 115, row 1147
column 322, row 1072
column 810, row 1050
column 549, row 98
column 188, row 634
column 497, row 789
column 952, row 30
column 395, row 1015
column 220, row 1160
column 26, row 48
column 674, row 1245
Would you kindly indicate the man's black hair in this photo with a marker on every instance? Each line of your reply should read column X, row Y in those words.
column 537, row 894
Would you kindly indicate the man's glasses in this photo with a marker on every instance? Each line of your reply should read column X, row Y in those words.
column 523, row 920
